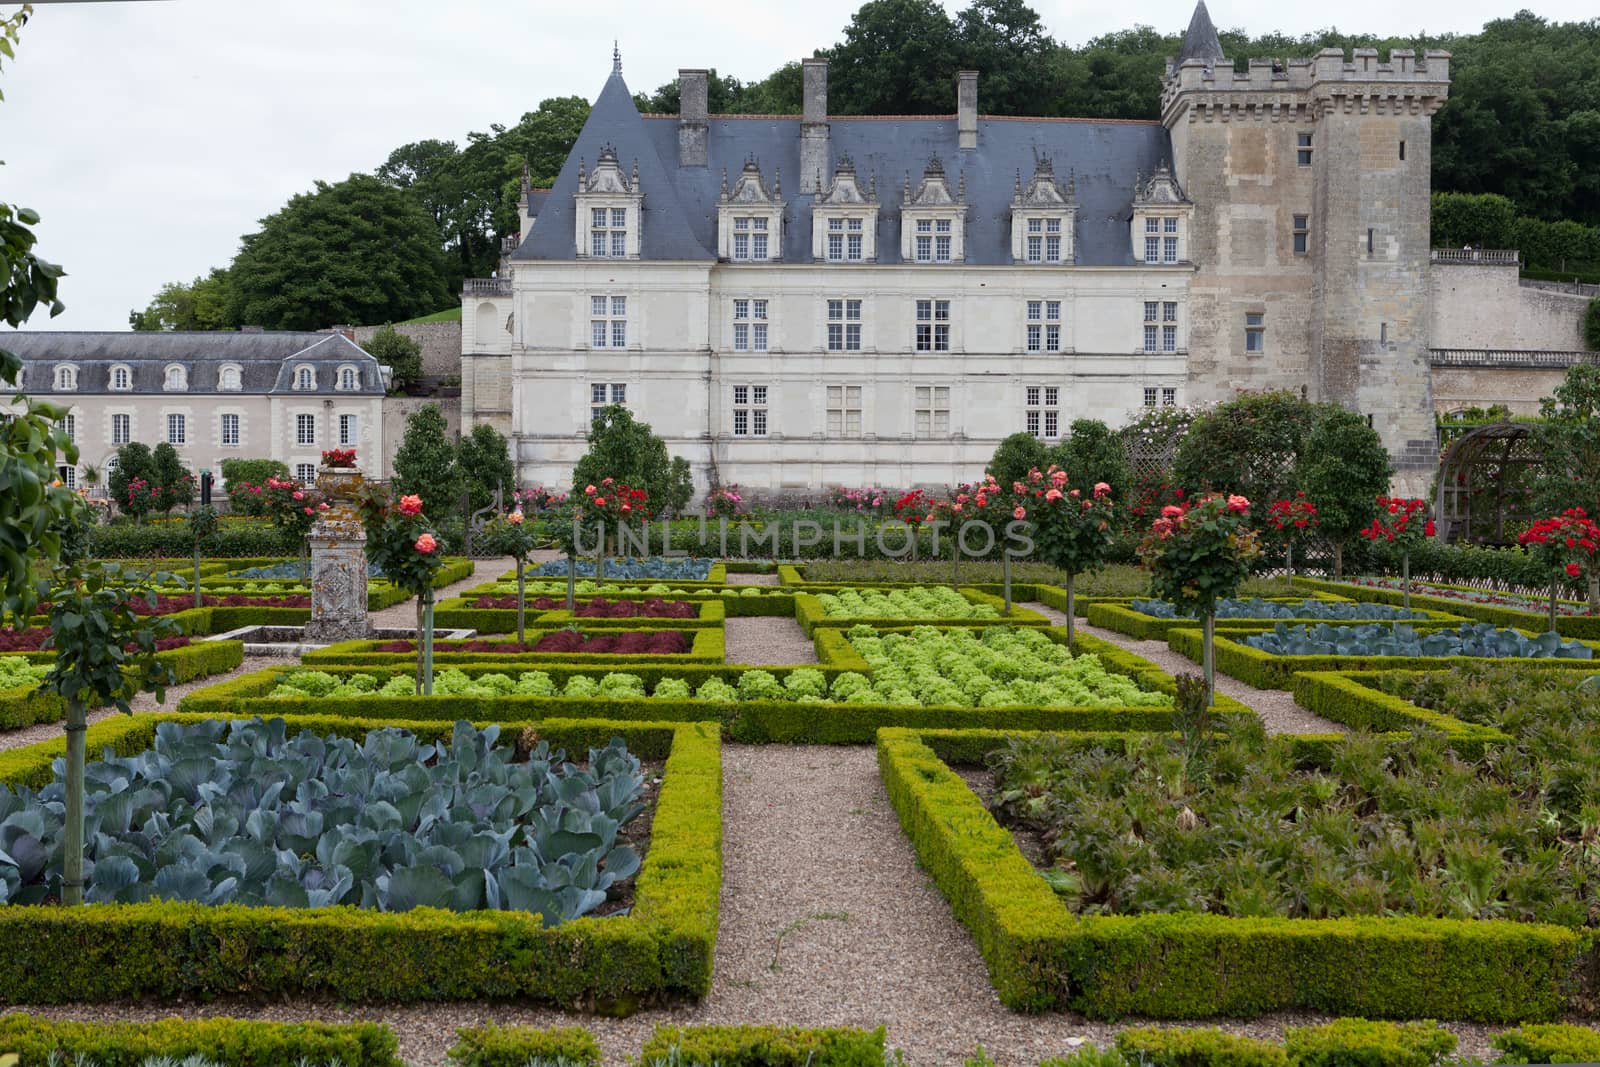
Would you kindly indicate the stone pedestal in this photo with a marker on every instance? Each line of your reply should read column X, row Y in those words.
column 338, row 562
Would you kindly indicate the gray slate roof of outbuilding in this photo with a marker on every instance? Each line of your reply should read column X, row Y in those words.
column 266, row 360
column 680, row 203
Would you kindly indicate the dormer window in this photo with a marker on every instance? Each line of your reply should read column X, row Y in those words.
column 1161, row 218
column 229, row 379
column 349, row 379
column 844, row 221
column 1042, row 218
column 121, row 379
column 749, row 218
column 305, row 378
column 933, row 219
column 608, row 205
column 175, row 379
column 66, row 378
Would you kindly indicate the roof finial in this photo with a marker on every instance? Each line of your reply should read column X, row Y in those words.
column 633, row 186
column 961, row 187
column 616, row 57
column 724, row 183
column 777, row 183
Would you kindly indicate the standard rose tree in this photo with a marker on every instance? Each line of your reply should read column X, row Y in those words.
column 1566, row 545
column 1074, row 530
column 1200, row 553
column 510, row 534
column 401, row 543
column 1404, row 523
column 1291, row 522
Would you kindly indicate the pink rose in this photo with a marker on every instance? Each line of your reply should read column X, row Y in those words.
column 298, row 495
column 1238, row 503
column 322, row 507
column 1058, row 478
column 1171, row 511
column 409, row 505
column 1052, row 495
column 515, row 518
column 1020, row 513
column 1101, row 489
column 308, row 511
column 426, row 544
column 589, row 489
column 599, row 501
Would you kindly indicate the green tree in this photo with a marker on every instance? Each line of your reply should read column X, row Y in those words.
column 1567, row 439
column 173, row 481
column 1250, row 446
column 1015, row 457
column 628, row 451
column 354, row 252
column 1094, row 453
column 1345, row 471
column 486, row 465
column 401, row 354
column 1591, row 325
column 425, row 464
column 897, row 57
column 680, row 486
column 1021, row 65
column 134, row 464
column 202, row 304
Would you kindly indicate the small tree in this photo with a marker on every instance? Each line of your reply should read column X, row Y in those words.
column 1346, row 470
column 1200, row 553
column 1566, row 545
column 680, row 486
column 1291, row 522
column 425, row 464
column 174, row 485
column 510, row 535
column 1250, row 446
column 134, row 464
column 1567, row 440
column 1404, row 523
column 1091, row 455
column 1591, row 325
column 242, row 479
column 105, row 654
column 401, row 354
column 1074, row 529
column 1016, row 456
column 629, row 452
column 485, row 464
column 401, row 542
column 202, row 527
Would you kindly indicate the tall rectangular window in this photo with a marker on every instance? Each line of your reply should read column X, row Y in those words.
column 924, row 241
column 1035, row 240
column 1052, row 326
column 69, row 426
column 1169, row 247
column 305, row 429
column 749, row 238
column 68, row 475
column 1302, row 234
column 349, row 431
column 603, row 393
column 306, row 473
column 1169, row 326
column 941, row 241
column 177, row 430
column 836, row 240
column 1302, row 154
column 1152, row 250
column 608, row 232
column 749, row 325
column 230, row 431
column 1052, row 240
column 749, row 411
column 932, row 412
column 608, row 321
column 1255, row 331
column 844, row 411
column 933, row 326
column 121, row 429
column 1042, row 411
column 1169, row 396
column 844, row 325
column 1149, row 396
column 1152, row 331
column 854, row 246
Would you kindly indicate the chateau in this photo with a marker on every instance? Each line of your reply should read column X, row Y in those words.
column 800, row 301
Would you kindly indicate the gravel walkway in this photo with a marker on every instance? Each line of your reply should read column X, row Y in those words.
column 1276, row 707
column 826, row 921
column 767, row 641
column 405, row 614
column 752, row 579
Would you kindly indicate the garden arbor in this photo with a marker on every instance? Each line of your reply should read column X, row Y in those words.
column 1485, row 480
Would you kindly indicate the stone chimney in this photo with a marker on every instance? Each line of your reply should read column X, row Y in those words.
column 692, row 117
column 967, row 108
column 815, row 156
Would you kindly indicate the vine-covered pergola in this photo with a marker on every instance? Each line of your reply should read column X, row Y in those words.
column 1483, row 482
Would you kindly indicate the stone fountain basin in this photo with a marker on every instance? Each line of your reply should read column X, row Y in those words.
column 289, row 642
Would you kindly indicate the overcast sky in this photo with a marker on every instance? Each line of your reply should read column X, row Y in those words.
column 150, row 135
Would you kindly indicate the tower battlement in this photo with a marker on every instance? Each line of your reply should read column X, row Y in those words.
column 1271, row 89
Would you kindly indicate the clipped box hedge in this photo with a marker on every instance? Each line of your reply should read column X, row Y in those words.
column 1585, row 627
column 230, row 1042
column 458, row 612
column 1344, row 696
column 706, row 646
column 26, row 705
column 716, row 576
column 515, row 1046
column 1124, row 619
column 811, row 615
column 1267, row 671
column 766, row 1046
column 1179, row 966
column 660, row 952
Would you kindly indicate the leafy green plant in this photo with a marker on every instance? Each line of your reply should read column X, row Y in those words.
column 1478, row 639
column 1256, row 608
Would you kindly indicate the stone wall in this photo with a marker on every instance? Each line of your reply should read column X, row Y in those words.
column 1518, row 388
column 396, row 409
column 1485, row 307
column 440, row 341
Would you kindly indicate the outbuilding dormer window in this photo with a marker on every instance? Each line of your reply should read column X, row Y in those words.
column 1042, row 218
column 229, row 379
column 844, row 221
column 1161, row 218
column 121, row 379
column 749, row 218
column 66, row 378
column 305, row 378
column 349, row 379
column 175, row 379
column 608, row 204
column 932, row 220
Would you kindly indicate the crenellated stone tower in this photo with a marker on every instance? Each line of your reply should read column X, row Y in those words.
column 1310, row 180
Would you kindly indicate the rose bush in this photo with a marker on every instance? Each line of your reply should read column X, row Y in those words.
column 1404, row 523
column 1566, row 545
column 1073, row 530
column 405, row 548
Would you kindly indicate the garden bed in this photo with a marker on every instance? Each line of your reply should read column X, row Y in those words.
column 457, row 612
column 703, row 645
column 1124, row 618
column 1470, row 603
column 22, row 705
column 1042, row 956
column 677, row 569
column 661, row 951
column 907, row 607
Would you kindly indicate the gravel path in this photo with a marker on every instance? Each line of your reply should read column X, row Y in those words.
column 405, row 614
column 766, row 640
column 826, row 921
column 1276, row 707
column 44, row 731
column 752, row 579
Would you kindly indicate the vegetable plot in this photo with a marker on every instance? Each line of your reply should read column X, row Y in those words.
column 1479, row 639
column 1256, row 608
column 240, row 812
column 923, row 602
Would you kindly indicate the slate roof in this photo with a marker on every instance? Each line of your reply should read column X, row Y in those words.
column 266, row 360
column 1200, row 39
column 680, row 203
